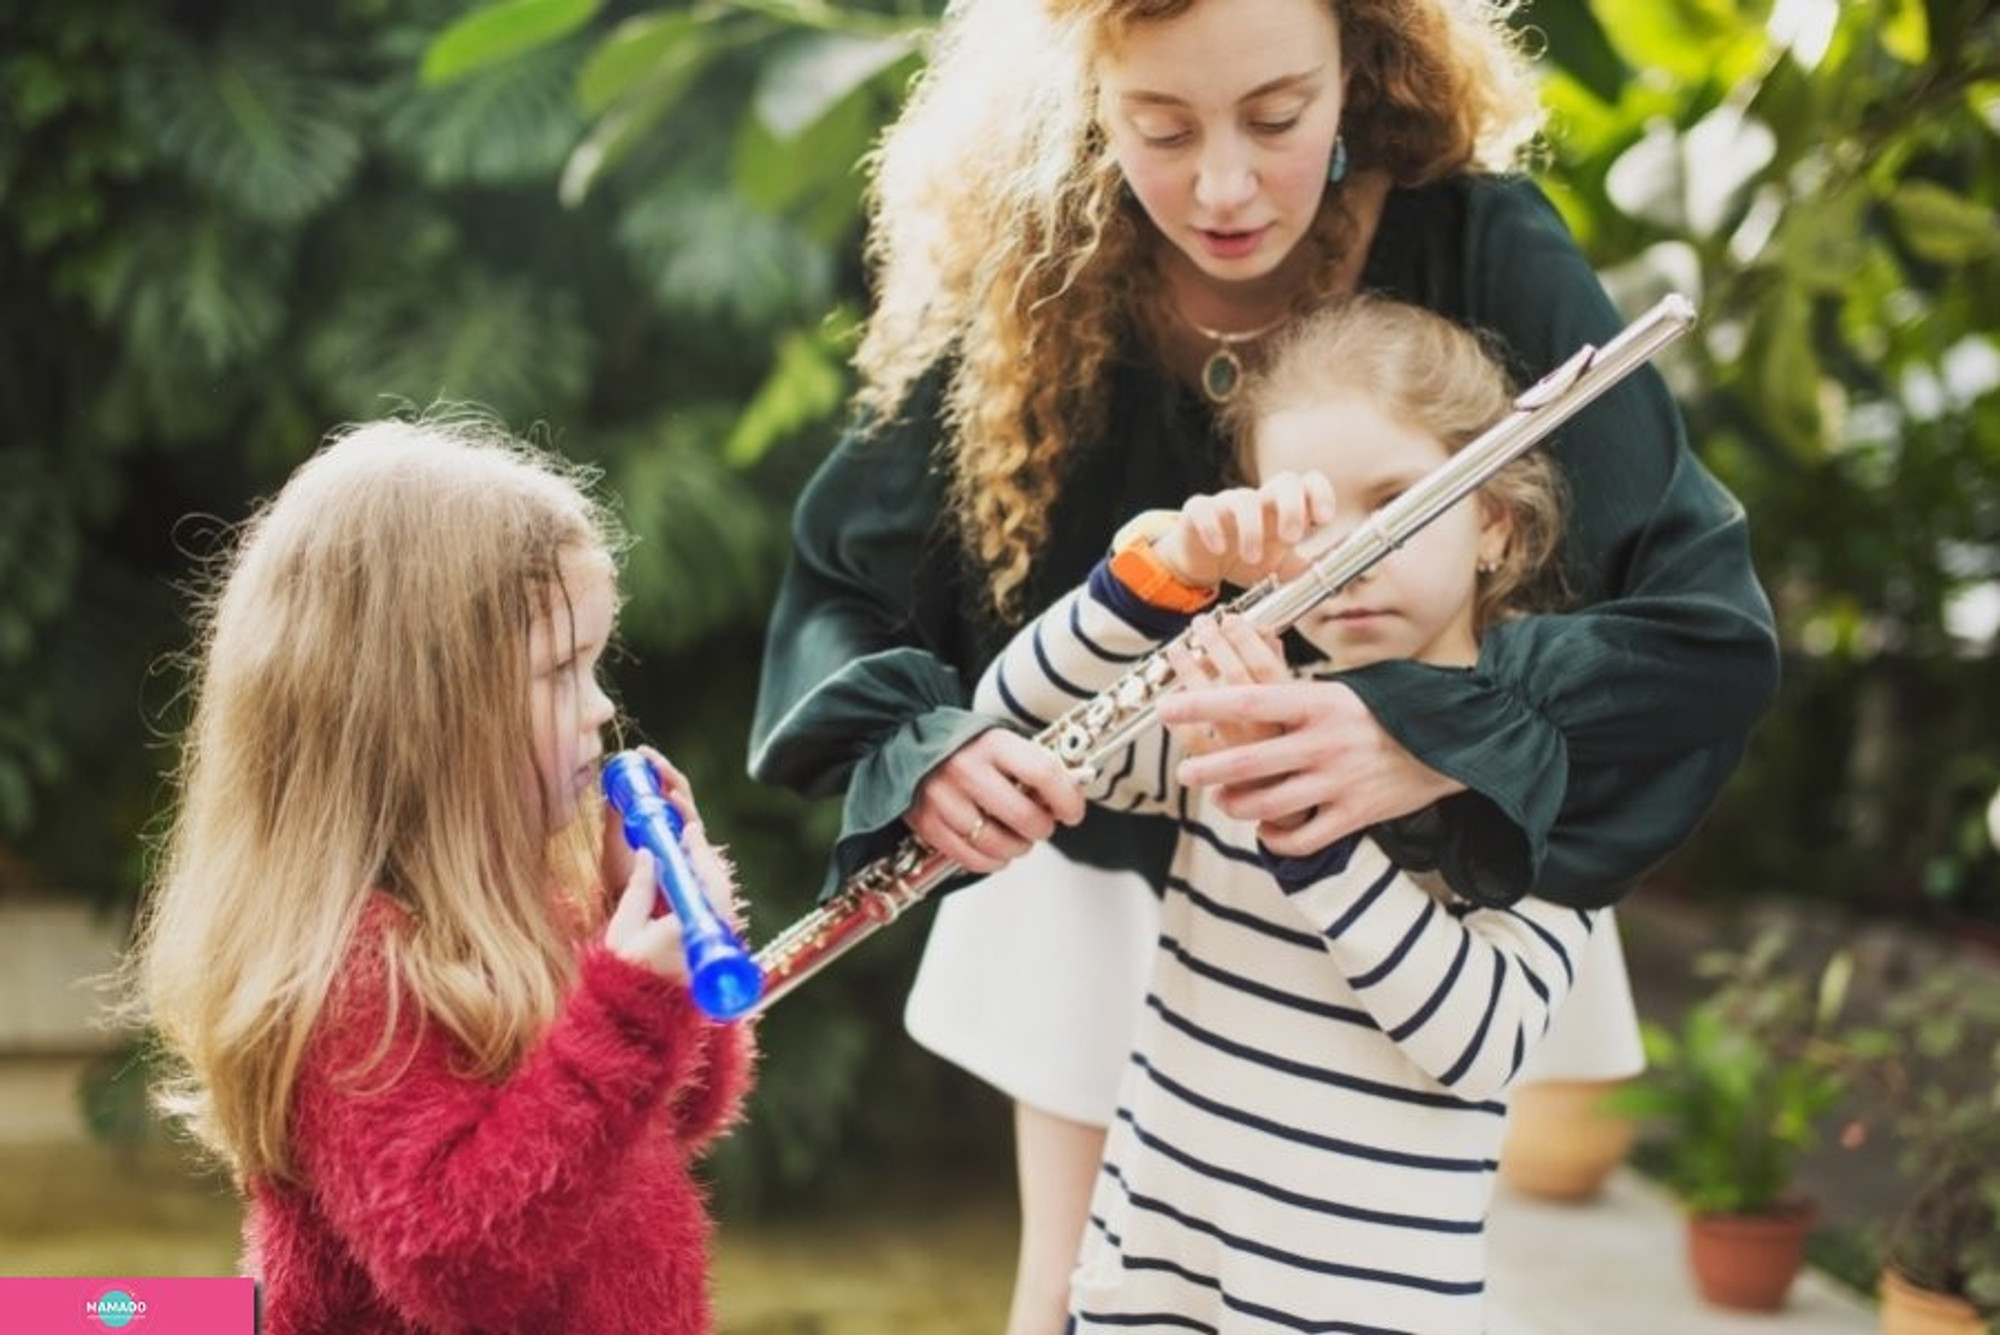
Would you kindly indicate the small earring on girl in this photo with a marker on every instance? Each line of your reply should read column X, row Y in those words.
column 1336, row 170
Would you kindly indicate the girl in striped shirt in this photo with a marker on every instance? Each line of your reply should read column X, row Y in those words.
column 1308, row 1123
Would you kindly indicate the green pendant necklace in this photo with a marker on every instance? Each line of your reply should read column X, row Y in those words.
column 1222, row 373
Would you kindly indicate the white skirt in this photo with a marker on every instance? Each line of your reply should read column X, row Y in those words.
column 1595, row 1035
column 1033, row 980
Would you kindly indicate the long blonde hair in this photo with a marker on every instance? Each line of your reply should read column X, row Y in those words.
column 1442, row 380
column 361, row 726
column 1000, row 237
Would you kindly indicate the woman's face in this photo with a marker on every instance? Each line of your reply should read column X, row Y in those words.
column 1223, row 120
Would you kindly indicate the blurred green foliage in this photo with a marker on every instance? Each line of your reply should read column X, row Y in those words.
column 1748, row 1082
column 634, row 229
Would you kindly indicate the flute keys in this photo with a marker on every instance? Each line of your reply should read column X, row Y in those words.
column 1132, row 694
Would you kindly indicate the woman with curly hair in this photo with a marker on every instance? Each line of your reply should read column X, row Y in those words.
column 1084, row 228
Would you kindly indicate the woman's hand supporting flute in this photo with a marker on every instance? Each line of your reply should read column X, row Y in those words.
column 993, row 800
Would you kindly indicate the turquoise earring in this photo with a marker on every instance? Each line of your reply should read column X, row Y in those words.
column 1336, row 170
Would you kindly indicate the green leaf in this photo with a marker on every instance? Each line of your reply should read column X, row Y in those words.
column 1907, row 34
column 651, row 46
column 814, row 72
column 635, row 117
column 807, row 385
column 815, row 176
column 1942, row 226
column 1692, row 41
column 1787, row 101
column 512, row 123
column 1577, row 45
column 1822, row 247
column 40, row 89
column 501, row 32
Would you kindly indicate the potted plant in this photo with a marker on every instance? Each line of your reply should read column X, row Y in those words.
column 1941, row 1075
column 1562, row 1142
column 1564, row 1139
column 1729, row 1103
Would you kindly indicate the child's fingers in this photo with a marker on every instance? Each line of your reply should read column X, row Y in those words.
column 673, row 783
column 634, row 934
column 635, row 902
column 1247, row 520
column 1206, row 520
column 1190, row 668
column 717, row 875
column 1321, row 501
column 1260, row 653
column 1285, row 503
column 1223, row 652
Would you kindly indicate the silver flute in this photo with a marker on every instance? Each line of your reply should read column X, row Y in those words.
column 880, row 892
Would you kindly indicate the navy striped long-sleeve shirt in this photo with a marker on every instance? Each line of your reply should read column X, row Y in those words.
column 1309, row 1122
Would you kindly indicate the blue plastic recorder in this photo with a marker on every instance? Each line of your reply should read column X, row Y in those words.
column 724, row 978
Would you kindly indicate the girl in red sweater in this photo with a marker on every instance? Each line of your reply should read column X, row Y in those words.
column 409, row 971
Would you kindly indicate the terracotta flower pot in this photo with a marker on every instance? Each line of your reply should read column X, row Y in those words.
column 1747, row 1262
column 1909, row 1310
column 1561, row 1144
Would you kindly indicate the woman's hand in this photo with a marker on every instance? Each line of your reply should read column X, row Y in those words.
column 1240, row 535
column 992, row 800
column 1328, row 770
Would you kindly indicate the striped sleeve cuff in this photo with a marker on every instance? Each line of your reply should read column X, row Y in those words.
column 1296, row 873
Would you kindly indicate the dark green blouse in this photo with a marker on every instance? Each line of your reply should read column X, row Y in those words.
column 1590, row 741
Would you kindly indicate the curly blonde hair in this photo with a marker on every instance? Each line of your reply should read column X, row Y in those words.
column 1000, row 239
column 1443, row 380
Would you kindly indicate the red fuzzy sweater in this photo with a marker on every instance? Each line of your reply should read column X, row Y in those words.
column 556, row 1199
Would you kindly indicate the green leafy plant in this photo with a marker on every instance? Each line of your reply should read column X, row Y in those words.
column 1941, row 1075
column 1734, row 1097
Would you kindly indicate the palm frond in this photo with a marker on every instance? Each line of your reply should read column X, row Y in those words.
column 708, row 546
column 198, row 294
column 266, row 125
column 512, row 122
column 710, row 255
column 469, row 337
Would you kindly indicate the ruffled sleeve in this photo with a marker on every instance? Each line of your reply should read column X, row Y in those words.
column 1594, row 740
column 862, row 690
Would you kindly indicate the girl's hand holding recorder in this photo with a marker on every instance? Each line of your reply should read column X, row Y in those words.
column 695, row 941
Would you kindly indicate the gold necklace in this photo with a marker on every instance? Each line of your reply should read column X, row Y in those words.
column 1222, row 373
